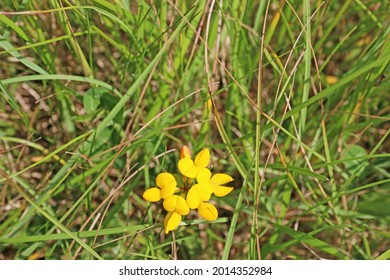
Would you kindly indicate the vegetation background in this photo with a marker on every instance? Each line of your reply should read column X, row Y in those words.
column 292, row 98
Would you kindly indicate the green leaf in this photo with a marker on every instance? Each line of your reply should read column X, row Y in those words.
column 109, row 101
column 91, row 99
column 310, row 240
column 354, row 151
column 376, row 204
column 384, row 256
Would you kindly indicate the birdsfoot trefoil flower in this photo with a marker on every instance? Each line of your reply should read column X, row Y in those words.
column 197, row 186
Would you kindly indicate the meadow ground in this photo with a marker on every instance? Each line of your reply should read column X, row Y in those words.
column 290, row 97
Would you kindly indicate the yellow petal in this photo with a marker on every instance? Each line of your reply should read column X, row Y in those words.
column 222, row 191
column 185, row 152
column 331, row 79
column 220, row 179
column 204, row 176
column 202, row 159
column 171, row 222
column 193, row 198
column 152, row 195
column 176, row 203
column 203, row 179
column 204, row 191
column 208, row 211
column 169, row 203
column 167, row 183
column 181, row 206
column 188, row 168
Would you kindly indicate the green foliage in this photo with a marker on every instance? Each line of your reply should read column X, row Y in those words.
column 291, row 97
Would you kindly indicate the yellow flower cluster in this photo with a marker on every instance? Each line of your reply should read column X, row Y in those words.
column 198, row 184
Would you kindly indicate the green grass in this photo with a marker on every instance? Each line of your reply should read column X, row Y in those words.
column 97, row 98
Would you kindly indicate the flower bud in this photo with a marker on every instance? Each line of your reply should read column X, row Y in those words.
column 185, row 152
